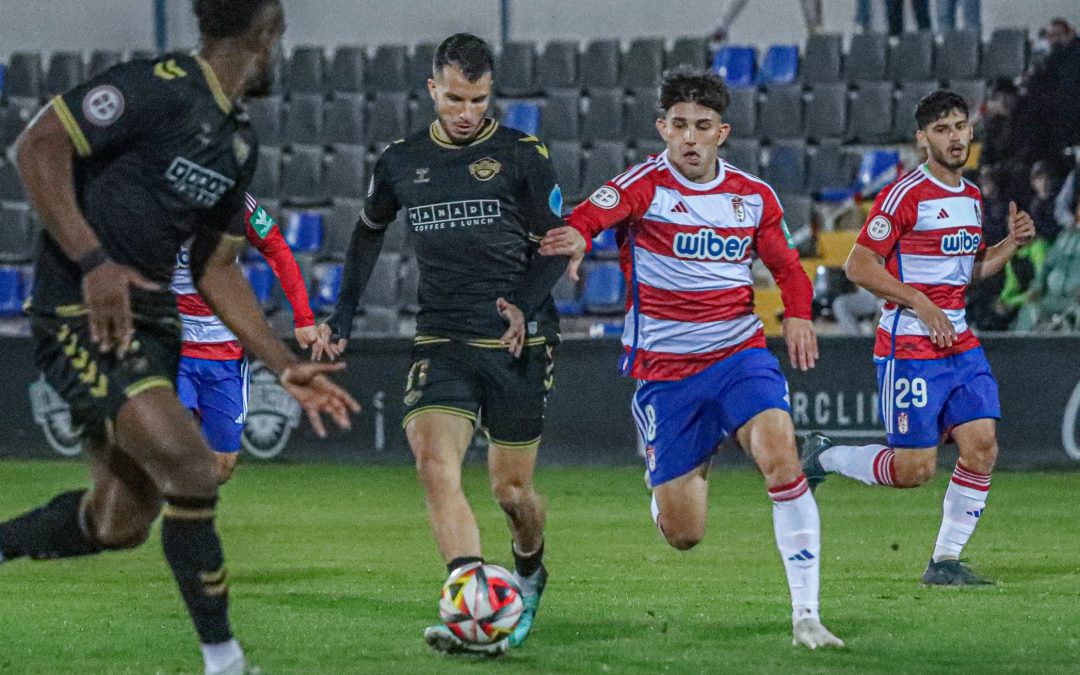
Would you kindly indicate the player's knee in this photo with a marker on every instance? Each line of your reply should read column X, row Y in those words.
column 190, row 474
column 981, row 456
column 226, row 464
column 684, row 539
column 437, row 468
column 129, row 529
column 915, row 470
column 511, row 493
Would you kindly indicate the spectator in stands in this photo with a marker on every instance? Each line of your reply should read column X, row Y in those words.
column 1052, row 97
column 1021, row 275
column 1041, row 206
column 1004, row 130
column 983, row 297
column 894, row 12
column 1066, row 197
column 946, row 14
column 733, row 8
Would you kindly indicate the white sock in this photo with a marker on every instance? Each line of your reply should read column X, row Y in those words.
column 217, row 656
column 964, row 503
column 871, row 464
column 798, row 536
column 654, row 509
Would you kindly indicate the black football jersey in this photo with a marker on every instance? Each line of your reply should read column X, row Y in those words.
column 476, row 214
column 162, row 154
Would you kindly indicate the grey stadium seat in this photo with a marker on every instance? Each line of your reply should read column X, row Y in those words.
column 605, row 160
column 388, row 117
column 347, row 69
column 66, row 69
column 743, row 153
column 338, row 227
column 566, row 157
column 912, row 58
column 822, row 58
column 870, row 115
column 973, row 91
column 345, row 176
column 422, row 114
column 782, row 112
column 16, row 232
column 382, row 287
column 420, row 66
column 640, row 118
column 957, row 56
column 23, row 80
column 266, row 183
column 827, row 167
column 826, row 112
column 378, row 321
column 306, row 71
column 557, row 66
column 12, row 120
column 903, row 126
column 741, row 113
column 387, row 69
column 642, row 150
column 600, row 65
column 345, row 119
column 1006, row 53
column 515, row 70
column 11, row 187
column 267, row 118
column 302, row 176
column 603, row 120
column 786, row 170
column 688, row 51
column 103, row 59
column 867, row 57
column 559, row 120
column 643, row 63
column 798, row 211
column 304, row 120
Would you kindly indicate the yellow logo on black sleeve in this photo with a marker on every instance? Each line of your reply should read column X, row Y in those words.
column 485, row 169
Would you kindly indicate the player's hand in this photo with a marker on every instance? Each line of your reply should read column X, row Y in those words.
column 107, row 294
column 801, row 342
column 308, row 383
column 514, row 337
column 324, row 343
column 1021, row 226
column 565, row 241
column 942, row 331
column 306, row 336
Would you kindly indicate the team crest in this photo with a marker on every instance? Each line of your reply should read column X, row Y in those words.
column 902, row 423
column 650, row 457
column 484, row 169
column 414, row 384
column 53, row 415
column 272, row 415
column 739, row 209
column 241, row 149
column 978, row 214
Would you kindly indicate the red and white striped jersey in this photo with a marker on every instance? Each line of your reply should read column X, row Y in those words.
column 203, row 335
column 929, row 234
column 686, row 250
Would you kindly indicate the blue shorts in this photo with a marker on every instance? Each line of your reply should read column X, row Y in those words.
column 922, row 400
column 217, row 391
column 683, row 421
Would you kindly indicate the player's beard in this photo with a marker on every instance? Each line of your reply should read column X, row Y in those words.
column 945, row 160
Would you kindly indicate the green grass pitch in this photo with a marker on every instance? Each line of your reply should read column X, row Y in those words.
column 333, row 570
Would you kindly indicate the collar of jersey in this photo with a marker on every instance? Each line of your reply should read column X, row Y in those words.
column 721, row 174
column 441, row 139
column 215, row 86
column 926, row 170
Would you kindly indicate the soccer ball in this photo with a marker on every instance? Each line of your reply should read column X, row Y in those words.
column 481, row 604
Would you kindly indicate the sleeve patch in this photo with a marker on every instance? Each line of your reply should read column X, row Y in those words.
column 103, row 105
column 787, row 233
column 555, row 200
column 606, row 197
column 261, row 222
column 879, row 228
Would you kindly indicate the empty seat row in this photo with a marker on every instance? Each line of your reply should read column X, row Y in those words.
column 29, row 78
column 308, row 175
column 308, row 119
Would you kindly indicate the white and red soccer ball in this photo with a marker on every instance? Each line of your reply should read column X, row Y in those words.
column 481, row 604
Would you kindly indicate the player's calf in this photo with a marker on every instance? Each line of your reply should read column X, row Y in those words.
column 225, row 463
column 912, row 468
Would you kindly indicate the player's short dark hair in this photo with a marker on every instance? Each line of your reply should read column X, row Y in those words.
column 466, row 51
column 686, row 84
column 226, row 18
column 938, row 104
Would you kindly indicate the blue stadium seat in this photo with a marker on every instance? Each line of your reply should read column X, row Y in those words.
column 605, row 246
column 736, row 63
column 261, row 278
column 780, row 65
column 567, row 294
column 878, row 169
column 11, row 291
column 304, row 231
column 328, row 287
column 523, row 116
column 3, row 73
column 605, row 289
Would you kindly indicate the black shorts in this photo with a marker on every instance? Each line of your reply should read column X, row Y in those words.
column 505, row 396
column 97, row 385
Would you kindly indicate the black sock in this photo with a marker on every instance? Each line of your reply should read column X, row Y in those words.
column 54, row 530
column 193, row 550
column 462, row 560
column 527, row 565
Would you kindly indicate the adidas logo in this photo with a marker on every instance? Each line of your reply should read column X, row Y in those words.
column 976, row 513
column 802, row 556
column 680, row 208
column 942, row 214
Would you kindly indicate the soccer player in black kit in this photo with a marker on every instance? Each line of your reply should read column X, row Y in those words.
column 123, row 169
column 479, row 199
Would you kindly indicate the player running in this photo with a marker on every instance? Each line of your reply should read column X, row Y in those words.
column 213, row 375
column 123, row 169
column 920, row 247
column 479, row 199
column 689, row 226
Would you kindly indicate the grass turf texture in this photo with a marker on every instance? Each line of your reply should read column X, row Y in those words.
column 333, row 570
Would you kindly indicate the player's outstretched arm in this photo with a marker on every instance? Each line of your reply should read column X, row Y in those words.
column 992, row 260
column 566, row 241
column 269, row 241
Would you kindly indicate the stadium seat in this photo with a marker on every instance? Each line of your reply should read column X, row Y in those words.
column 644, row 149
column 11, row 291
column 101, row 60
column 567, row 296
column 17, row 232
column 605, row 289
column 24, row 76
column 142, row 54
column 822, row 59
column 605, row 160
column 877, row 169
column 798, row 213
column 267, row 118
column 640, row 118
column 387, row 68
column 605, row 245
column 826, row 112
column 867, row 57
column 409, row 287
column 338, row 227
column 306, row 70
column 304, row 231
column 557, row 66
column 11, row 187
column 786, row 170
column 345, row 176
column 304, row 120
column 903, row 124
column 780, row 65
column 741, row 114
column 743, row 153
column 1006, row 53
column 66, row 69
column 829, row 169
column 972, row 91
column 388, row 117
column 3, row 74
column 327, row 287
column 378, row 322
column 347, row 69
column 870, row 116
column 603, row 120
column 912, row 58
column 261, row 278
column 688, row 51
column 266, row 183
column 515, row 70
column 422, row 114
column 736, row 64
column 600, row 65
column 382, row 287
column 643, row 64
column 420, row 66
column 957, row 56
column 301, row 176
column 345, row 120
column 559, row 120
column 566, row 157
column 782, row 112
column 523, row 116
column 12, row 120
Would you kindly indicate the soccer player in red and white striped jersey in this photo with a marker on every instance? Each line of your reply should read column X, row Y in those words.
column 921, row 246
column 689, row 226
